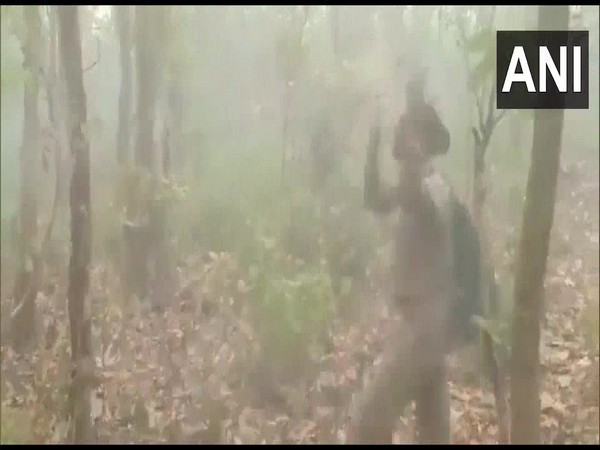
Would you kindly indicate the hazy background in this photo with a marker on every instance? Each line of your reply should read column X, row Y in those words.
column 228, row 65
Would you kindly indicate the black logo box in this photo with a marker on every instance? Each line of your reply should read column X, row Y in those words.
column 531, row 41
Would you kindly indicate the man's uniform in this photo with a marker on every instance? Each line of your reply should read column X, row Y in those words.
column 413, row 367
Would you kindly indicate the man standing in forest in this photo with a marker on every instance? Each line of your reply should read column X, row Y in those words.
column 414, row 365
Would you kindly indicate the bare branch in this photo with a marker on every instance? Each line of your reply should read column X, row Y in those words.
column 479, row 111
column 97, row 57
column 500, row 116
column 476, row 136
column 490, row 109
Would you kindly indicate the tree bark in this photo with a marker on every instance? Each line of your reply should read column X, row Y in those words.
column 123, row 22
column 292, row 62
column 335, row 33
column 81, row 231
column 176, row 98
column 56, row 117
column 27, row 282
column 533, row 251
column 136, row 233
column 150, row 225
column 146, row 99
column 61, row 115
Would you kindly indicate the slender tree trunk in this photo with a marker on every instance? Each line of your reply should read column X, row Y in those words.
column 146, row 99
column 151, row 225
column 176, row 103
column 284, row 130
column 335, row 32
column 533, row 251
column 81, row 231
column 488, row 285
column 27, row 282
column 136, row 232
column 292, row 67
column 123, row 22
column 56, row 119
column 163, row 283
column 60, row 110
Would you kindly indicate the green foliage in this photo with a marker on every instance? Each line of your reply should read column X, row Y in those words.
column 350, row 243
column 219, row 224
column 274, row 233
column 293, row 302
column 478, row 44
column 289, row 242
column 481, row 46
column 168, row 192
column 15, row 426
column 220, row 214
column 138, row 190
column 300, row 231
column 107, row 226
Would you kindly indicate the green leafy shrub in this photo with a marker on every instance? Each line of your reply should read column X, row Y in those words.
column 300, row 228
column 15, row 427
column 293, row 305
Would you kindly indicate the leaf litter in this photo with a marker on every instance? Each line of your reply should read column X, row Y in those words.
column 192, row 374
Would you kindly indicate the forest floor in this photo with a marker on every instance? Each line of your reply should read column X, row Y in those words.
column 193, row 373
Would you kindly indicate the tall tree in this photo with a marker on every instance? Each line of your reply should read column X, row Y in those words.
column 81, row 230
column 290, row 52
column 123, row 23
column 335, row 12
column 147, row 81
column 147, row 230
column 27, row 282
column 56, row 133
column 136, row 230
column 533, row 252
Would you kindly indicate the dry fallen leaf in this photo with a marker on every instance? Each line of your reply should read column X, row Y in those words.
column 549, row 404
column 564, row 381
column 351, row 374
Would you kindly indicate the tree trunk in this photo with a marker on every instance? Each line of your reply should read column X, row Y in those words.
column 123, row 22
column 533, row 251
column 150, row 227
column 335, row 33
column 479, row 191
column 27, row 282
column 60, row 111
column 147, row 77
column 284, row 129
column 81, row 231
column 56, row 119
column 163, row 283
column 292, row 62
column 136, row 233
column 176, row 107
